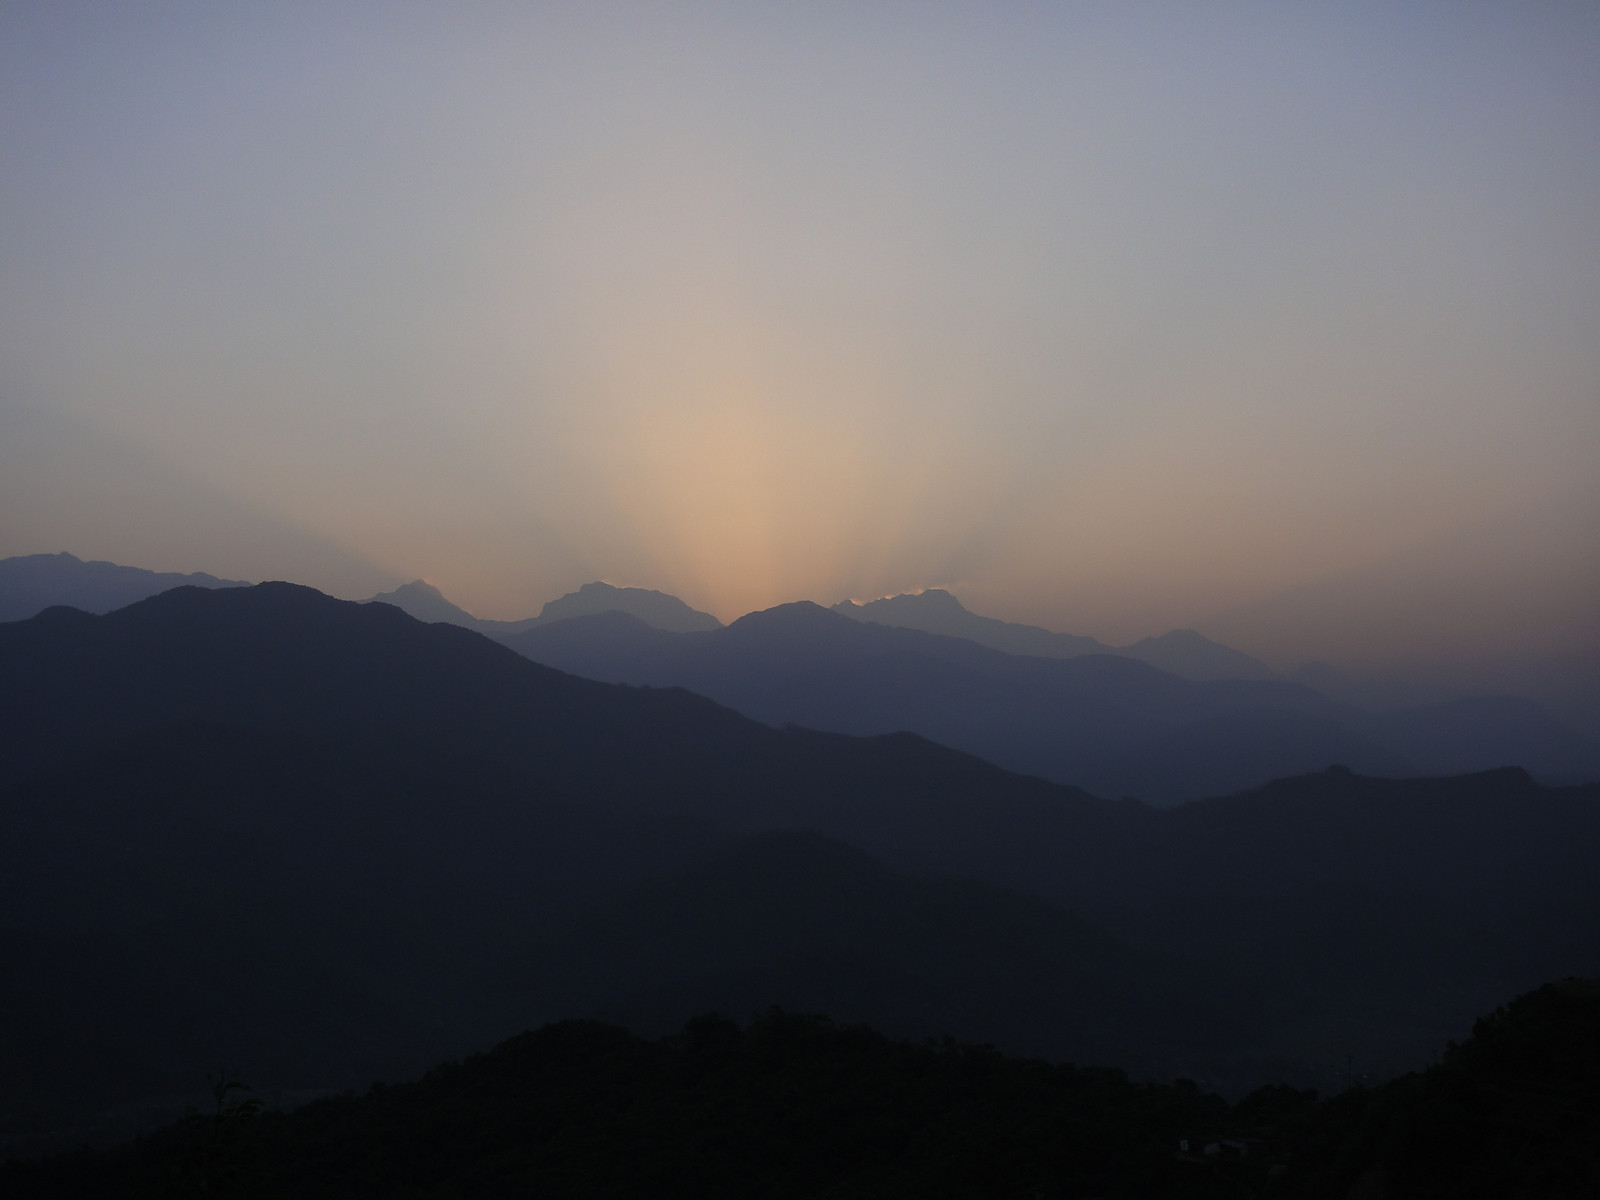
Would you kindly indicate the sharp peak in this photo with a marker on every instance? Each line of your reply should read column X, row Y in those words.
column 942, row 597
column 420, row 585
column 792, row 606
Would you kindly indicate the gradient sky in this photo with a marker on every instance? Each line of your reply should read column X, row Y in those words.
column 1278, row 321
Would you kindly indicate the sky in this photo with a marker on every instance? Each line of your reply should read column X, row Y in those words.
column 1281, row 322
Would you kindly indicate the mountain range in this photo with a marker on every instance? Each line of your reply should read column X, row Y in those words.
column 31, row 583
column 326, row 842
column 1109, row 724
column 1114, row 730
column 1183, row 652
column 656, row 609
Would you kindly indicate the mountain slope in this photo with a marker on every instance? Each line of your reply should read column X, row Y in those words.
column 343, row 820
column 420, row 599
column 937, row 611
column 1109, row 724
column 31, row 583
column 656, row 609
column 326, row 842
column 813, row 925
column 1183, row 652
column 425, row 602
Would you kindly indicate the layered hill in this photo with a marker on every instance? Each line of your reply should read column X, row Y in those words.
column 31, row 583
column 271, row 826
column 325, row 842
column 819, row 926
column 657, row 609
column 1105, row 723
column 1182, row 652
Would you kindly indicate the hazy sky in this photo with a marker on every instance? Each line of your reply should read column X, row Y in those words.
column 1277, row 320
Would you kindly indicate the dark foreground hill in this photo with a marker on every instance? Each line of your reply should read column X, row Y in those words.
column 1109, row 724
column 282, row 828
column 792, row 1106
column 325, row 843
column 825, row 928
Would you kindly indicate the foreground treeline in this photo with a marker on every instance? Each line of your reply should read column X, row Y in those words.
column 794, row 1106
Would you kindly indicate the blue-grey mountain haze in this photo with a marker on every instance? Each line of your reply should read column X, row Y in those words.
column 1277, row 323
column 332, row 842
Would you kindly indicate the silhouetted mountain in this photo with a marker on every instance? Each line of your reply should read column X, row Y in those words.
column 425, row 602
column 1313, row 896
column 420, row 599
column 31, row 583
column 1191, row 655
column 1182, row 652
column 325, row 842
column 1104, row 723
column 657, row 609
column 808, row 923
column 937, row 611
column 336, row 824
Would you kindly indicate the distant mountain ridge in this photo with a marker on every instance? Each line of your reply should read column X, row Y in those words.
column 1109, row 724
column 1183, row 652
column 31, row 583
column 657, row 609
column 937, row 611
column 420, row 599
